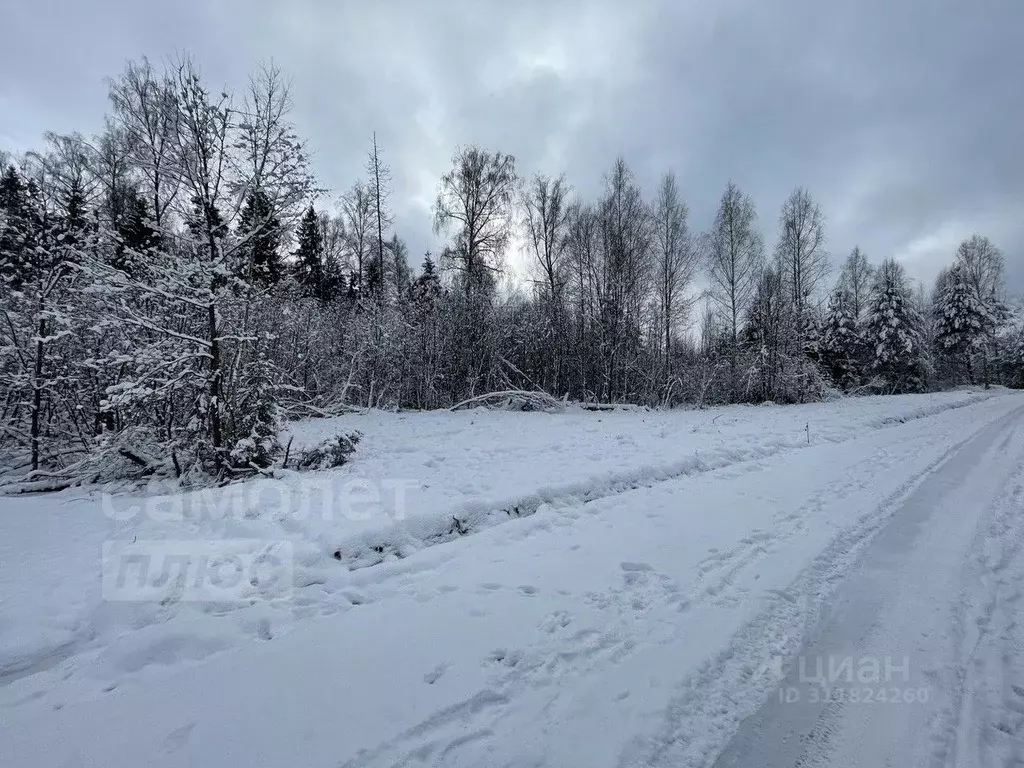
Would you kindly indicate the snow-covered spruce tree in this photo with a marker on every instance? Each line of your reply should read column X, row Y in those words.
column 803, row 363
column 1008, row 347
column 946, row 370
column 963, row 321
column 255, row 416
column 842, row 348
column 776, row 366
column 811, row 333
column 309, row 256
column 893, row 330
column 259, row 259
column 20, row 224
column 762, row 338
column 982, row 267
column 429, row 336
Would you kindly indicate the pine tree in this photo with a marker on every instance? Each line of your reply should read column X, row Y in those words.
column 374, row 281
column 810, row 334
column 135, row 232
column 257, row 418
column 19, row 228
column 75, row 219
column 426, row 290
column 1009, row 344
column 35, row 259
column 841, row 345
column 200, row 219
column 762, row 336
column 12, row 190
column 260, row 255
column 893, row 330
column 963, row 320
column 400, row 264
column 309, row 257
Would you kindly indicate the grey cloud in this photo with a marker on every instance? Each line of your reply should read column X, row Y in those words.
column 901, row 116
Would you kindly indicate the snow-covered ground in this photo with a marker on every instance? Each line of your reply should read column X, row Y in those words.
column 620, row 588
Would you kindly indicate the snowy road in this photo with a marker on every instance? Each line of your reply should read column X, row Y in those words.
column 679, row 624
column 928, row 624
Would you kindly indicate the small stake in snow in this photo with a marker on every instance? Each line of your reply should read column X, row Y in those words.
column 287, row 453
column 808, row 428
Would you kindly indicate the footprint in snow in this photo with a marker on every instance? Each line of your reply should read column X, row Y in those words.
column 177, row 738
column 635, row 574
column 435, row 674
column 505, row 657
column 635, row 567
column 557, row 620
column 263, row 631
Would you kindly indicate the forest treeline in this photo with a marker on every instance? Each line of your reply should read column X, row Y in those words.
column 175, row 287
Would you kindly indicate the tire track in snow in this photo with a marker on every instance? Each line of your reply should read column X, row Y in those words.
column 985, row 726
column 569, row 653
column 800, row 734
column 710, row 707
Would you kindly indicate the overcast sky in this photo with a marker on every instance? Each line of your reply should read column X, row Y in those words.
column 904, row 118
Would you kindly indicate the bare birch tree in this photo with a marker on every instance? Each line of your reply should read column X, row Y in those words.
column 357, row 214
column 856, row 278
column 545, row 210
column 675, row 263
column 800, row 251
column 735, row 255
column 475, row 200
column 144, row 104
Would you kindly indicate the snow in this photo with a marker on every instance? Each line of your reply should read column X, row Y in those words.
column 661, row 573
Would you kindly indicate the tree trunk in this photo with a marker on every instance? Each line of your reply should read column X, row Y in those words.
column 215, row 421
column 37, row 387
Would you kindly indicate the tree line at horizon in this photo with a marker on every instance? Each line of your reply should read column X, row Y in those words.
column 172, row 289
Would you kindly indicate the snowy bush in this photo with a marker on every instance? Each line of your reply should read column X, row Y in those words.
column 334, row 452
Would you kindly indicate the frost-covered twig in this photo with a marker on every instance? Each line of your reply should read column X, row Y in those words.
column 512, row 399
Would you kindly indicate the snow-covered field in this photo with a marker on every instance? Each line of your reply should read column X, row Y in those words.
column 619, row 588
